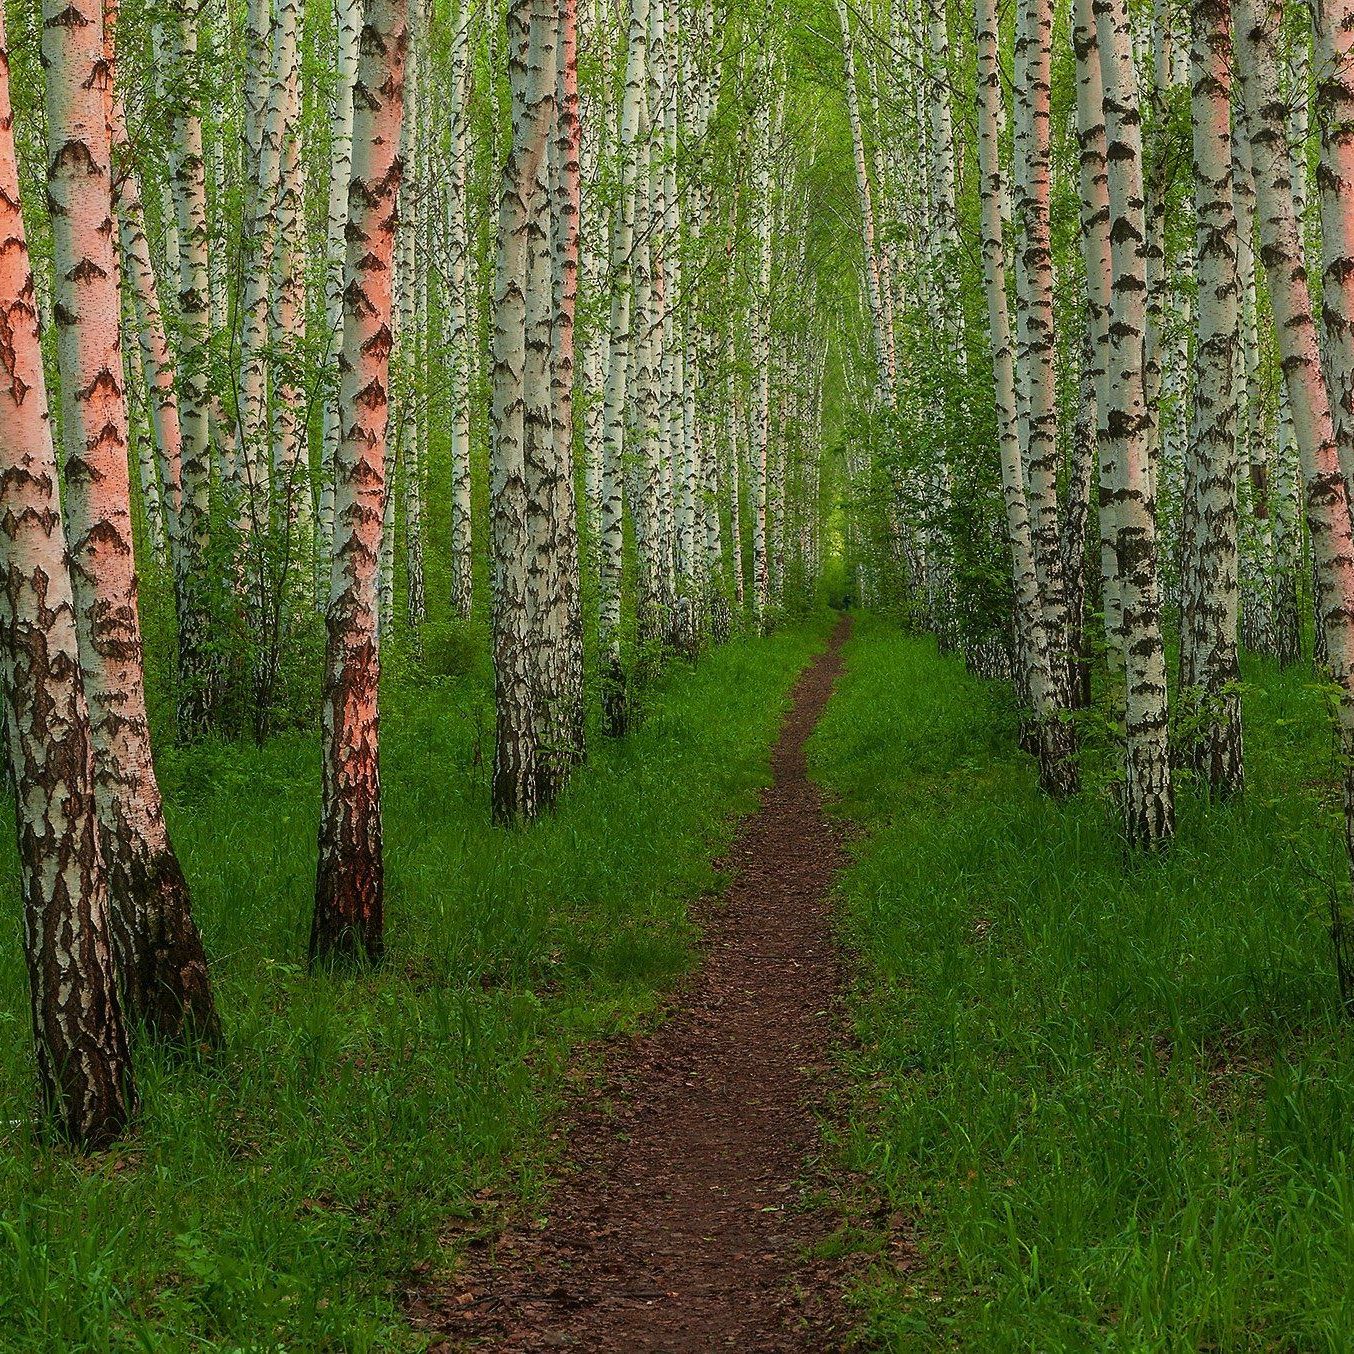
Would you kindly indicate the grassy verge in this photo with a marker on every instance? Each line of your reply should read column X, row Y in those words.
column 1110, row 1102
column 278, row 1197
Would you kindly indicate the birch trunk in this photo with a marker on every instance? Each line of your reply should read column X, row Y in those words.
column 196, row 695
column 1156, row 175
column 402, row 450
column 1057, row 765
column 1258, row 597
column 285, row 568
column 598, row 136
column 736, row 504
column 523, row 432
column 156, row 359
column 84, row 1066
column 614, row 702
column 1076, row 514
column 290, row 465
column 944, row 237
column 1209, row 670
column 255, row 311
column 348, row 23
column 646, row 476
column 458, row 315
column 415, row 596
column 1037, row 344
column 143, row 450
column 1149, row 807
column 886, row 376
column 350, row 880
column 159, row 953
column 662, row 87
column 560, row 719
column 1335, row 119
column 1093, row 181
column 761, row 354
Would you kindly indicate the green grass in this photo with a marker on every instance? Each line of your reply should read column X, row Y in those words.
column 279, row 1196
column 1112, row 1099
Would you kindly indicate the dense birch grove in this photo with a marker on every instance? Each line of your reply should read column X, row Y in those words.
column 1103, row 452
column 344, row 341
column 351, row 340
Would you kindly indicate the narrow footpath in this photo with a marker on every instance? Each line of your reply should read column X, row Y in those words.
column 679, row 1224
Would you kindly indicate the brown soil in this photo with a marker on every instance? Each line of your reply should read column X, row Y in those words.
column 680, row 1224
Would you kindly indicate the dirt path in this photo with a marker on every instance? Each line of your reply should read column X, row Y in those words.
column 679, row 1226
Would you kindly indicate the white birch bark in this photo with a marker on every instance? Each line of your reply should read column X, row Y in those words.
column 736, row 501
column 760, row 411
column 561, row 715
column 255, row 304
column 151, row 351
column 348, row 25
column 79, row 1035
column 1335, row 119
column 599, row 133
column 1155, row 173
column 196, row 692
column 290, row 463
column 618, row 370
column 417, row 450
column 143, row 448
column 402, row 444
column 1149, row 808
column 160, row 960
column 1057, row 768
column 522, row 422
column 644, row 487
column 458, row 313
column 1209, row 669
column 1095, row 242
column 886, row 376
column 1258, row 547
column 1036, row 347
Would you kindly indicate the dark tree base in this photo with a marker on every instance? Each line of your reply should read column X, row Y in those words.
column 161, row 961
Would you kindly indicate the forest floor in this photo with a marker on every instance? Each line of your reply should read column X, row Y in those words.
column 1104, row 1102
column 282, row 1194
column 1073, row 1099
column 680, row 1222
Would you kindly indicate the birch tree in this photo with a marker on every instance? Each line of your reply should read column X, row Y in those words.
column 84, row 1067
column 350, row 880
column 197, row 667
column 1057, row 768
column 761, row 354
column 1149, row 807
column 885, row 374
column 1209, row 670
column 157, row 946
column 1037, row 343
column 560, row 710
column 348, row 23
column 523, row 432
column 458, row 312
column 614, row 693
column 1093, row 183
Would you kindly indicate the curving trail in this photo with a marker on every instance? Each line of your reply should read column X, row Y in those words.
column 679, row 1224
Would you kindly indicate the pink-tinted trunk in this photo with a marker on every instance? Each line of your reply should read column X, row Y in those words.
column 350, row 882
column 84, row 1067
